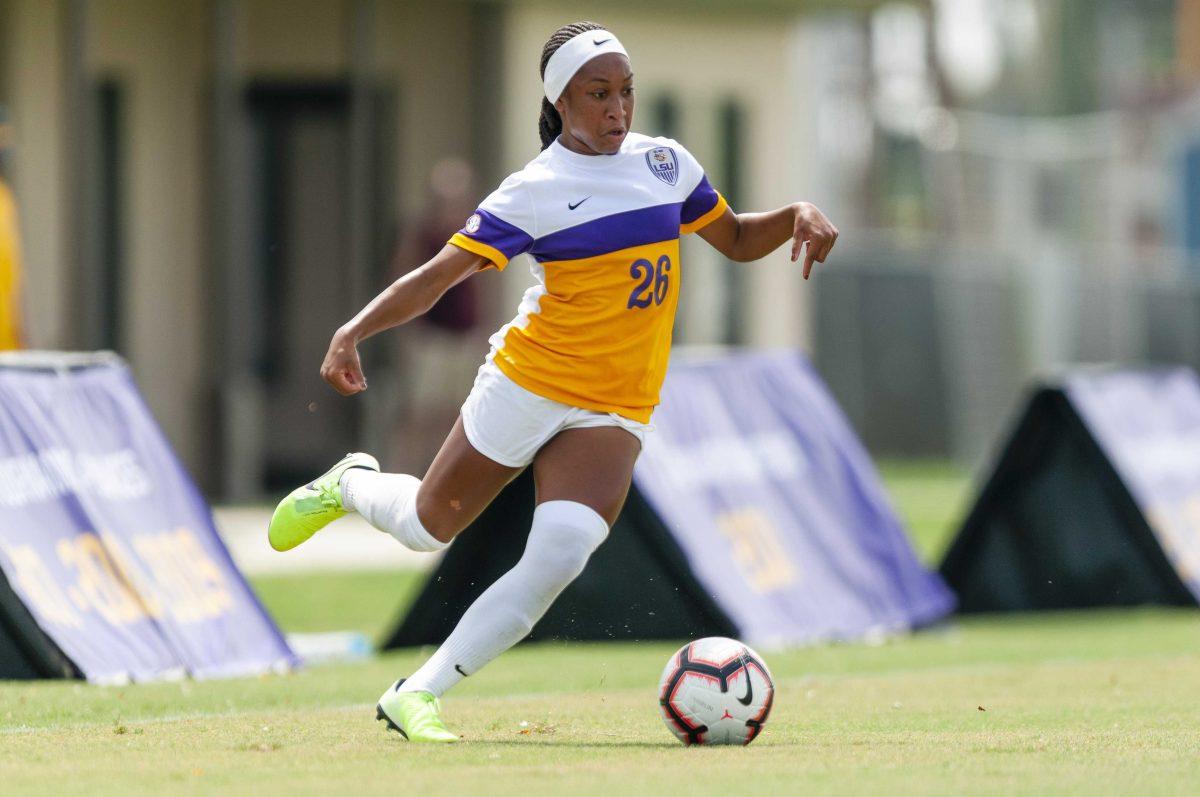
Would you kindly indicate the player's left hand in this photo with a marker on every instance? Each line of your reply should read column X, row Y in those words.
column 814, row 229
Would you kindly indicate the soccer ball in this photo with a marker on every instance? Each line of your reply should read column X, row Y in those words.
column 716, row 691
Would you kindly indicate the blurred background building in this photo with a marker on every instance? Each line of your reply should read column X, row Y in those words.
column 210, row 187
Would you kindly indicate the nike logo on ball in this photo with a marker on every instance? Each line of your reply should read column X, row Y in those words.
column 580, row 202
column 602, row 41
column 745, row 701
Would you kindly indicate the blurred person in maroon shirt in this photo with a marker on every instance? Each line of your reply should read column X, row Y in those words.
column 440, row 353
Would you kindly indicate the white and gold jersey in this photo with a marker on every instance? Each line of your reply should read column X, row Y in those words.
column 603, row 231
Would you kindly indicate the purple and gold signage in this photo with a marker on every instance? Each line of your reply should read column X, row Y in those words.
column 777, row 506
column 1148, row 424
column 106, row 540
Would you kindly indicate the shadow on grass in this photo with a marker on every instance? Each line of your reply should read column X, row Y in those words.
column 593, row 745
column 614, row 745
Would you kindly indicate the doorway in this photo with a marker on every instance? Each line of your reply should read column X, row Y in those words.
column 301, row 245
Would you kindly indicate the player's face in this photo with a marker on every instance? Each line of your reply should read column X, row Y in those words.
column 597, row 107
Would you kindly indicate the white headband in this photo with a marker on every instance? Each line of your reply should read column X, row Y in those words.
column 573, row 54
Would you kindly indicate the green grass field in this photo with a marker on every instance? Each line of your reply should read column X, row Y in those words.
column 1082, row 703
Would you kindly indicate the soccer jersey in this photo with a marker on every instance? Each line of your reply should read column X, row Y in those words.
column 594, row 331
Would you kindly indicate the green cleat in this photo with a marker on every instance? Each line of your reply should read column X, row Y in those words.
column 414, row 715
column 310, row 508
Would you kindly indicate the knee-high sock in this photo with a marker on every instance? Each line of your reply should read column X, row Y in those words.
column 388, row 501
column 563, row 536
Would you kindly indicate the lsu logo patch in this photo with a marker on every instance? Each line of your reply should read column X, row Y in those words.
column 663, row 164
column 472, row 224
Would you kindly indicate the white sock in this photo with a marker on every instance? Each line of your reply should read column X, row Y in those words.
column 388, row 501
column 563, row 536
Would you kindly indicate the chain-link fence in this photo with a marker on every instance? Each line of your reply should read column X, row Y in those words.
column 931, row 346
column 1049, row 253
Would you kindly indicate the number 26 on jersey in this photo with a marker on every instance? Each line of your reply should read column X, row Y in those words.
column 653, row 282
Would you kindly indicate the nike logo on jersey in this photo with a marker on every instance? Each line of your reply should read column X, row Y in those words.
column 580, row 202
column 602, row 41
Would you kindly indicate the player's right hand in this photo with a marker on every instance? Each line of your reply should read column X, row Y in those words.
column 342, row 368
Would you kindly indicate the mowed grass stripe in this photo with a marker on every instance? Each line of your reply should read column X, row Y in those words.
column 808, row 686
column 537, row 669
column 1065, row 727
column 791, row 691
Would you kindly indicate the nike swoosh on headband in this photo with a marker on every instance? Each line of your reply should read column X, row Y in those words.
column 572, row 55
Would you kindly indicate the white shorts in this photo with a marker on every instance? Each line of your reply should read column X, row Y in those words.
column 508, row 424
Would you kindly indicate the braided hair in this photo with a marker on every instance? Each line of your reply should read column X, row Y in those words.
column 550, row 123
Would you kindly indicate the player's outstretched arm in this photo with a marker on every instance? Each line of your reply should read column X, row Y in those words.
column 403, row 300
column 743, row 237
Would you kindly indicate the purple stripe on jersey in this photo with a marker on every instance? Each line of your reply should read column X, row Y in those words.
column 498, row 234
column 699, row 202
column 610, row 233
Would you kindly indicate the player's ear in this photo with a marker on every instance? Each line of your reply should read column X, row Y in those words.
column 560, row 104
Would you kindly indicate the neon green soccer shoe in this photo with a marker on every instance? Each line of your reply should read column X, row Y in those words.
column 414, row 715
column 310, row 508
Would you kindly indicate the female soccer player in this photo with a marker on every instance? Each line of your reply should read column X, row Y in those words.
column 570, row 384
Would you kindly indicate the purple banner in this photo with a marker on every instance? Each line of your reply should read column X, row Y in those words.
column 777, row 506
column 107, row 541
column 1148, row 424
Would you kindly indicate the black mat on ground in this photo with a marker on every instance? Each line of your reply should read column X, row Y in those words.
column 1056, row 527
column 636, row 586
column 25, row 650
